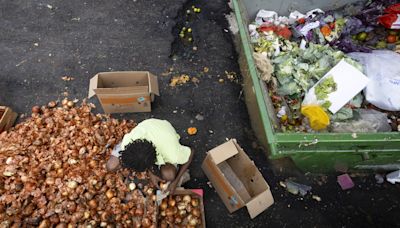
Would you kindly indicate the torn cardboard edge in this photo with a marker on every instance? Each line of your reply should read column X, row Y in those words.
column 236, row 179
column 7, row 119
column 124, row 91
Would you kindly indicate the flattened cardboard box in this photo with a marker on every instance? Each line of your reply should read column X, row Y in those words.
column 7, row 118
column 236, row 179
column 124, row 91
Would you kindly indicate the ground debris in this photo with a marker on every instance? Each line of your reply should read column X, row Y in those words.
column 67, row 78
column 179, row 80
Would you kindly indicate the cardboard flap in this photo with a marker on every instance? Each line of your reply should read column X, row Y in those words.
column 224, row 151
column 93, row 85
column 153, row 85
column 259, row 203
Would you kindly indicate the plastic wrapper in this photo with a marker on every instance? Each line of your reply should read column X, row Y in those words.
column 383, row 70
column 368, row 120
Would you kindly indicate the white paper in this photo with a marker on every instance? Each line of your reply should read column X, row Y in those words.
column 308, row 27
column 349, row 80
column 266, row 16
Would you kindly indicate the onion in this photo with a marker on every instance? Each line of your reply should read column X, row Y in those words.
column 163, row 213
column 195, row 202
column 182, row 206
column 86, row 215
column 64, row 102
column 50, row 181
column 171, row 202
column 35, row 109
column 182, row 212
column 163, row 224
column 92, row 204
column 70, row 104
column 196, row 212
column 109, row 194
column 178, row 220
column 178, row 198
column 61, row 225
column 163, row 186
column 150, row 191
column 193, row 221
column 146, row 222
column 189, row 208
column 71, row 206
column 169, row 212
column 44, row 224
column 105, row 216
column 88, row 195
column 163, row 205
column 132, row 186
column 72, row 184
column 186, row 198
column 139, row 212
column 52, row 104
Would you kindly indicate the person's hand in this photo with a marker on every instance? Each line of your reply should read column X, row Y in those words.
column 154, row 179
column 172, row 186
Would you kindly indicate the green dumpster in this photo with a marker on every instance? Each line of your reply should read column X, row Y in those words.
column 320, row 152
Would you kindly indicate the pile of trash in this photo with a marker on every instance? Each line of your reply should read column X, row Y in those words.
column 52, row 170
column 336, row 68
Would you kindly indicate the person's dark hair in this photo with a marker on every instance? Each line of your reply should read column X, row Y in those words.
column 138, row 155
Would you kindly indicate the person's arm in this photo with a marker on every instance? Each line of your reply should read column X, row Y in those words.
column 183, row 168
column 154, row 179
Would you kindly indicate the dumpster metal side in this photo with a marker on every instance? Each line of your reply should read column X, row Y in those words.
column 310, row 152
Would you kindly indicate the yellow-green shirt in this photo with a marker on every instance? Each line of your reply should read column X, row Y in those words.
column 165, row 139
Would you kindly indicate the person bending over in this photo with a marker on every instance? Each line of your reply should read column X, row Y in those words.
column 153, row 142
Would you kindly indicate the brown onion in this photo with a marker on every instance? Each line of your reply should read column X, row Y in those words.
column 110, row 194
column 139, row 212
column 35, row 109
column 178, row 220
column 169, row 212
column 189, row 208
column 171, row 202
column 70, row 104
column 187, row 198
column 92, row 204
column 64, row 102
column 196, row 212
column 44, row 224
column 52, row 104
column 146, row 222
column 163, row 205
column 195, row 202
column 193, row 221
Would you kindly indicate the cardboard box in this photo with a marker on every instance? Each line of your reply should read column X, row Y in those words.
column 124, row 91
column 7, row 118
column 236, row 179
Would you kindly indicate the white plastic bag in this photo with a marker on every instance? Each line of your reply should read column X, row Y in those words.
column 383, row 70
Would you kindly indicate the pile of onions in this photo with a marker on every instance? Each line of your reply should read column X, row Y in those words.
column 52, row 172
column 180, row 211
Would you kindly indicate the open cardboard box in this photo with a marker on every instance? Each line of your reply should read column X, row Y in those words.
column 236, row 179
column 7, row 118
column 124, row 91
